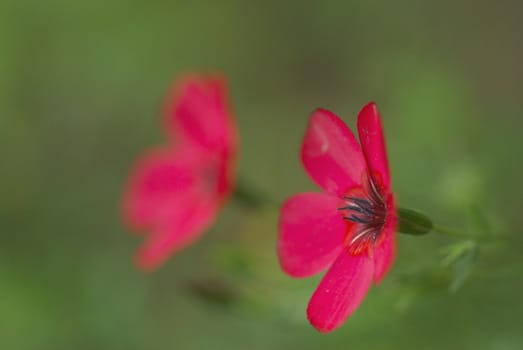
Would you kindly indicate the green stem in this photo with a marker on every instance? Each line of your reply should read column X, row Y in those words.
column 463, row 235
column 415, row 223
column 251, row 196
column 450, row 232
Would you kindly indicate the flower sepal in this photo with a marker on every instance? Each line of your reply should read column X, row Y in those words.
column 413, row 222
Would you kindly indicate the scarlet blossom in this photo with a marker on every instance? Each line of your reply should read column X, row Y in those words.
column 176, row 191
column 350, row 229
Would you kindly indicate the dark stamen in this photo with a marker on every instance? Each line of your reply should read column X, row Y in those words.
column 359, row 220
column 369, row 212
column 364, row 203
column 355, row 208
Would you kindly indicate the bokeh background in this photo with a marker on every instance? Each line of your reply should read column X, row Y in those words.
column 82, row 84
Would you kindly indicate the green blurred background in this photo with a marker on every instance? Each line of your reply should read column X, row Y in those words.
column 81, row 87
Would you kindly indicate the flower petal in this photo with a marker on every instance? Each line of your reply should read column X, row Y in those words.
column 312, row 232
column 188, row 223
column 159, row 177
column 372, row 140
column 384, row 256
column 199, row 112
column 331, row 154
column 341, row 291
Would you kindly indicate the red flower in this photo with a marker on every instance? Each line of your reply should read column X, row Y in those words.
column 349, row 230
column 176, row 191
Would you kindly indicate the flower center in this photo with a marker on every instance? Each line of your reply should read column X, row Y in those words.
column 367, row 209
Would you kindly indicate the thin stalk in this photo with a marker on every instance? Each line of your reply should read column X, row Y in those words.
column 450, row 232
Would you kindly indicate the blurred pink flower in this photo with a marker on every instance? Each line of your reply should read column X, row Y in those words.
column 176, row 191
column 351, row 228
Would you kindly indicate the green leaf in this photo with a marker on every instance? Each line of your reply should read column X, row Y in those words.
column 413, row 222
column 461, row 257
column 463, row 267
column 454, row 252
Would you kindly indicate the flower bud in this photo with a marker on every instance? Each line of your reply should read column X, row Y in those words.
column 413, row 223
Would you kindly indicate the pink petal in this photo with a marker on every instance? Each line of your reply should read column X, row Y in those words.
column 331, row 154
column 312, row 232
column 226, row 173
column 193, row 216
column 341, row 291
column 199, row 113
column 159, row 178
column 384, row 256
column 385, row 253
column 372, row 140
